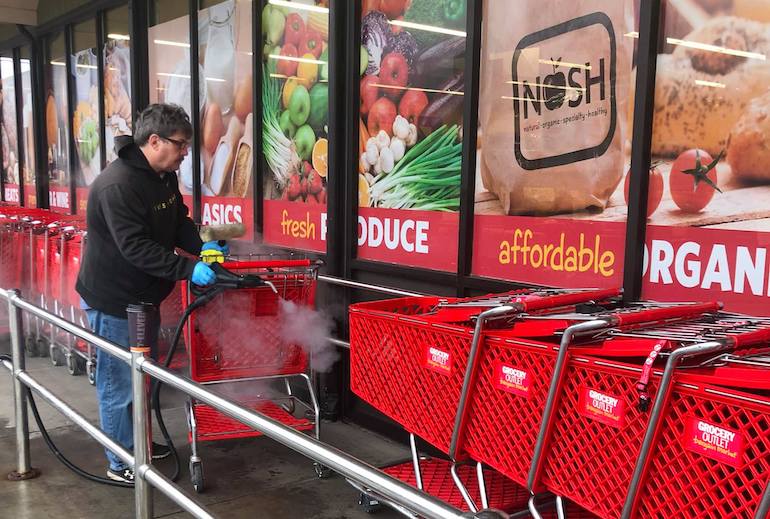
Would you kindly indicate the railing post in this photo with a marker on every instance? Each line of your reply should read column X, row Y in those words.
column 23, row 468
column 141, row 336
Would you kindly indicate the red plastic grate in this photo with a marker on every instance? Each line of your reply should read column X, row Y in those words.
column 437, row 481
column 213, row 425
column 589, row 460
column 504, row 415
column 684, row 482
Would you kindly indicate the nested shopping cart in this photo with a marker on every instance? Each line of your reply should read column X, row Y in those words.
column 409, row 358
column 11, row 257
column 247, row 338
column 605, row 402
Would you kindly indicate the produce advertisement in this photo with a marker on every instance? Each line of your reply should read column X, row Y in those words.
column 410, row 132
column 57, row 134
column 30, row 197
column 10, row 142
column 710, row 185
column 117, row 93
column 226, row 88
column 295, row 115
column 85, row 123
column 554, row 141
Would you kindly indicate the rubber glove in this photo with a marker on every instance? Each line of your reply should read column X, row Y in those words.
column 214, row 245
column 203, row 275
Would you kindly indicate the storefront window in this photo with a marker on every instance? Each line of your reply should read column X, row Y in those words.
column 226, row 92
column 85, row 121
column 8, row 134
column 30, row 196
column 555, row 108
column 117, row 79
column 168, row 41
column 410, row 132
column 295, row 116
column 709, row 238
column 57, row 124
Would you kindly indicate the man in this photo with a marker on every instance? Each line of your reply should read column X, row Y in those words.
column 136, row 218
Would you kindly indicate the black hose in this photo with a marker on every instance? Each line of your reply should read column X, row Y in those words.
column 59, row 455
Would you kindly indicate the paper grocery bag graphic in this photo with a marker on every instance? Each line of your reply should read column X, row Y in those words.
column 554, row 95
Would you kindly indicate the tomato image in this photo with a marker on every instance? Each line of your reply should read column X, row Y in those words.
column 693, row 180
column 654, row 192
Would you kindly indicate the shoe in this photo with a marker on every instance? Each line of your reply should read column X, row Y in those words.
column 160, row 451
column 125, row 475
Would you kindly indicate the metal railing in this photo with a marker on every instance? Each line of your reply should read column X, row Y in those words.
column 148, row 477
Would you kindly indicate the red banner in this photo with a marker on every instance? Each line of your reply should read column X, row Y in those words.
column 696, row 264
column 221, row 210
column 12, row 195
column 295, row 224
column 81, row 194
column 30, row 197
column 59, row 199
column 426, row 239
column 549, row 251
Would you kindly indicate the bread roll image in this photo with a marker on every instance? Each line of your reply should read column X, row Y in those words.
column 748, row 149
column 700, row 94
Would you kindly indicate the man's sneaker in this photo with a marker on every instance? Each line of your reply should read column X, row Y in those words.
column 123, row 475
column 160, row 451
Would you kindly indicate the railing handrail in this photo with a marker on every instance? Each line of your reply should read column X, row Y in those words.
column 350, row 467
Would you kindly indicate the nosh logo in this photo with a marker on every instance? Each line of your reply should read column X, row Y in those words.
column 438, row 360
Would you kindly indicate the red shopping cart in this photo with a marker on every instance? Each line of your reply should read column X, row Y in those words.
column 598, row 429
column 239, row 337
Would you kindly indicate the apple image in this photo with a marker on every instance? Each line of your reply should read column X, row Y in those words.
column 287, row 67
column 299, row 106
column 304, row 140
column 287, row 127
column 412, row 104
column 394, row 72
column 381, row 117
column 273, row 21
column 554, row 88
column 369, row 93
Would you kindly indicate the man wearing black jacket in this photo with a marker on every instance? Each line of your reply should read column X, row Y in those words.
column 136, row 218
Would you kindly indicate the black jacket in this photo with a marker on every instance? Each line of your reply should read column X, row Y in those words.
column 135, row 220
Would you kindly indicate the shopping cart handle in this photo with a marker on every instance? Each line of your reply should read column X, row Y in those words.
column 666, row 313
column 753, row 338
column 571, row 298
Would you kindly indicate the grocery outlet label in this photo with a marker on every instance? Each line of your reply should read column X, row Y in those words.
column 602, row 407
column 716, row 442
column 511, row 379
column 12, row 193
column 437, row 359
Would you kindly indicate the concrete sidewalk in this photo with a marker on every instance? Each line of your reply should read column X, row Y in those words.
column 252, row 477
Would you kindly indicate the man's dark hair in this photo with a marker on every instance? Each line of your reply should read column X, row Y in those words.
column 162, row 119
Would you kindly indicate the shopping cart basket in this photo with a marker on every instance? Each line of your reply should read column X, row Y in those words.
column 592, row 441
column 239, row 337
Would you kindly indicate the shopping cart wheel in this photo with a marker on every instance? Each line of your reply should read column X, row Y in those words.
column 322, row 471
column 196, row 476
column 42, row 346
column 91, row 372
column 74, row 367
column 56, row 355
column 30, row 344
column 368, row 503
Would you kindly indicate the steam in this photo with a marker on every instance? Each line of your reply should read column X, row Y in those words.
column 309, row 329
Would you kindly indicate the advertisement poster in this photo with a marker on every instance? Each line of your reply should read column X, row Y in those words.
column 227, row 120
column 85, row 124
column 10, row 142
column 410, row 131
column 117, row 91
column 555, row 109
column 169, row 72
column 30, row 196
column 708, row 238
column 57, row 128
column 295, row 100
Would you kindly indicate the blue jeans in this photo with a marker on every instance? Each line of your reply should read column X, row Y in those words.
column 113, row 385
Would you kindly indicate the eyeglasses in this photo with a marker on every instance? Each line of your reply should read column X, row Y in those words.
column 182, row 145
